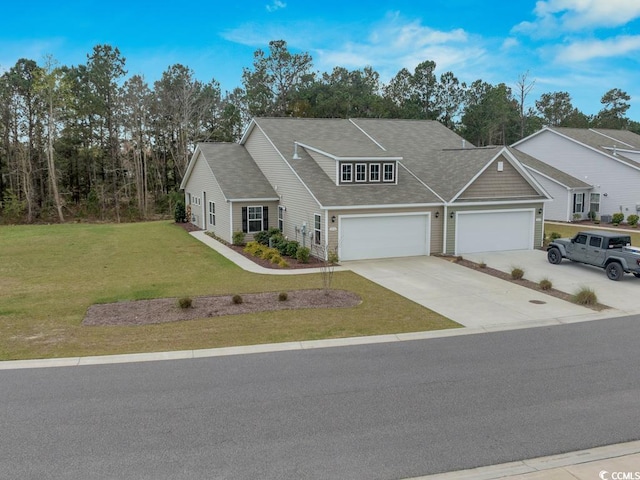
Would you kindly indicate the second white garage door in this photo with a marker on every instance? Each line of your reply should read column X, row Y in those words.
column 383, row 236
column 492, row 231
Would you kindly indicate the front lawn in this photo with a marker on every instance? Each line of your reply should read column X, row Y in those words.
column 569, row 230
column 50, row 275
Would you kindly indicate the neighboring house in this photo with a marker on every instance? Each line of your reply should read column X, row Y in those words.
column 368, row 188
column 585, row 170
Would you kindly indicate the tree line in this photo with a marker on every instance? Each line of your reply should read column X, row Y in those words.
column 85, row 142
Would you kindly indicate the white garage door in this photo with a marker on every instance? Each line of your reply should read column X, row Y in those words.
column 383, row 236
column 494, row 231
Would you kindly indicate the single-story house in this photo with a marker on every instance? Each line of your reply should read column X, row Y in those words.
column 366, row 188
column 585, row 170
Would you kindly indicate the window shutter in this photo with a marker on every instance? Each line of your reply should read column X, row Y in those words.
column 265, row 218
column 245, row 228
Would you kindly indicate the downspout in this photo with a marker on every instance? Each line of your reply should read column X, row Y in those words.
column 444, row 230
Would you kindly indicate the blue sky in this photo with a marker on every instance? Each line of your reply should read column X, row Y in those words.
column 585, row 47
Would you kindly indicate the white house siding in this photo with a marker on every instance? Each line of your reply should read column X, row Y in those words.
column 617, row 183
column 560, row 208
column 202, row 181
column 294, row 197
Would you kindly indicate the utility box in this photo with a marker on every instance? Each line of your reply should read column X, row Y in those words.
column 605, row 218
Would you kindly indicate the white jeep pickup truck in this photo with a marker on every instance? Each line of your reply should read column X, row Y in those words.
column 608, row 250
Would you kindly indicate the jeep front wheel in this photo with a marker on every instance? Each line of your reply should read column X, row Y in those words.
column 614, row 271
column 554, row 256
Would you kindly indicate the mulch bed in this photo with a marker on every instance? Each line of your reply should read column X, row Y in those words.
column 164, row 310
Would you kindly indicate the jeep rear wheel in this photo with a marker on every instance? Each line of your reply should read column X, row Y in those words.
column 614, row 271
column 554, row 256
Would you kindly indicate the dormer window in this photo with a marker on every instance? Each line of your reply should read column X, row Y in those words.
column 374, row 172
column 389, row 172
column 347, row 172
column 361, row 172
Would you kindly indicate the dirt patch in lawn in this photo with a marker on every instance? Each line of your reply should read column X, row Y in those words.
column 145, row 312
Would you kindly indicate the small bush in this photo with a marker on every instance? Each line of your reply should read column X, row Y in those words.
column 332, row 258
column 617, row 218
column 592, row 215
column 545, row 284
column 238, row 238
column 291, row 248
column 236, row 299
column 632, row 220
column 554, row 236
column 262, row 237
column 180, row 214
column 269, row 253
column 283, row 296
column 517, row 273
column 482, row 265
column 585, row 296
column 185, row 302
column 303, row 254
column 276, row 259
column 283, row 263
column 254, row 248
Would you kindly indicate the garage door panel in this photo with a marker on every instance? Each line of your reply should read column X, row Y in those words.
column 383, row 236
column 494, row 231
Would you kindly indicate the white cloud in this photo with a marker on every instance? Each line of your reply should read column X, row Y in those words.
column 554, row 17
column 590, row 49
column 275, row 5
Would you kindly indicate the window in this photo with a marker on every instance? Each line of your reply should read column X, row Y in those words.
column 255, row 219
column 389, row 172
column 374, row 172
column 347, row 172
column 361, row 172
column 581, row 239
column 281, row 219
column 594, row 203
column 317, row 229
column 595, row 242
column 578, row 202
column 212, row 213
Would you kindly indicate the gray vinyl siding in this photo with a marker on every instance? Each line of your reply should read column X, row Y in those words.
column 299, row 203
column 237, row 215
column 436, row 226
column 451, row 222
column 202, row 180
column 328, row 165
column 492, row 183
column 617, row 183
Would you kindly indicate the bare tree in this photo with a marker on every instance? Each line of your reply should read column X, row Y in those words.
column 523, row 90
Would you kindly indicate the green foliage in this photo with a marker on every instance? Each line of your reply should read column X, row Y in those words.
column 617, row 218
column 291, row 248
column 592, row 215
column 332, row 258
column 545, row 284
column 13, row 208
column 283, row 263
column 276, row 258
column 303, row 254
column 237, row 299
column 632, row 220
column 517, row 273
column 262, row 237
column 238, row 238
column 554, row 236
column 585, row 296
column 254, row 248
column 180, row 214
column 283, row 296
column 185, row 303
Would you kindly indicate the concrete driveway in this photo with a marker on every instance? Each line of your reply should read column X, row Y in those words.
column 478, row 300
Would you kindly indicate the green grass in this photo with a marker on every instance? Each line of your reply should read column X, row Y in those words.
column 50, row 275
column 567, row 231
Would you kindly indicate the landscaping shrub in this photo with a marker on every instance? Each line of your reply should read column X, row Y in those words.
column 185, row 302
column 238, row 238
column 276, row 258
column 303, row 254
column 554, row 236
column 545, row 284
column 517, row 273
column 180, row 214
column 585, row 296
column 291, row 248
column 254, row 248
column 617, row 218
column 332, row 258
column 262, row 237
column 283, row 263
column 283, row 296
column 591, row 215
column 269, row 253
column 632, row 220
column 482, row 265
column 236, row 299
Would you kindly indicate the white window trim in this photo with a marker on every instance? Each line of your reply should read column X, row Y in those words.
column 212, row 213
column 577, row 196
column 393, row 172
column 591, row 202
column 364, row 174
column 281, row 210
column 371, row 179
column 249, row 219
column 342, row 173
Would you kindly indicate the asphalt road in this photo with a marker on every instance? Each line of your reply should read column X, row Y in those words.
column 383, row 411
